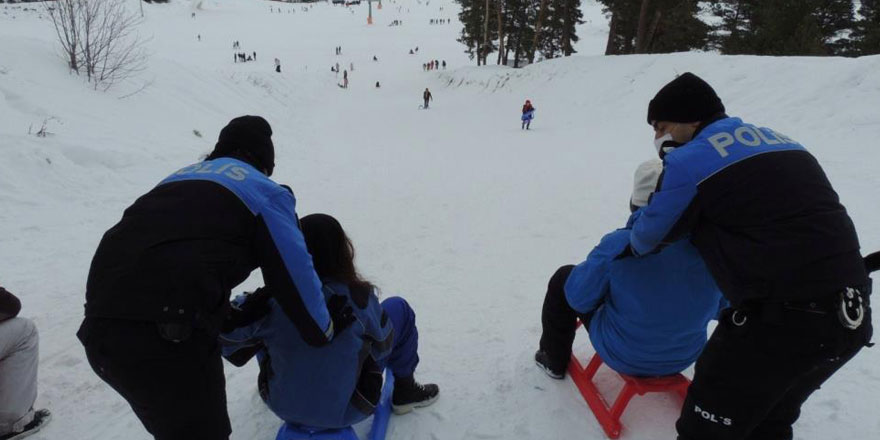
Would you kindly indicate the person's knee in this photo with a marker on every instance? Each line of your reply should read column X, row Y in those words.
column 397, row 306
column 30, row 334
column 561, row 275
column 22, row 331
column 399, row 312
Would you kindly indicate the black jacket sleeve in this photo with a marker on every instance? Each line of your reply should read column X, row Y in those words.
column 872, row 262
column 9, row 305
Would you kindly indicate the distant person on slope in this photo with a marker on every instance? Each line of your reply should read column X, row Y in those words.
column 645, row 317
column 528, row 113
column 337, row 385
column 19, row 354
column 427, row 97
column 158, row 288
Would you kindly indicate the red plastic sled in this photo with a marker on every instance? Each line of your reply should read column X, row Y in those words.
column 609, row 417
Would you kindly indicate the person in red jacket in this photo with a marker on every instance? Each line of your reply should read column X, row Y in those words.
column 528, row 113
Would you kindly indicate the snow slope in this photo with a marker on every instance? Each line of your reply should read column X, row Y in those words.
column 453, row 207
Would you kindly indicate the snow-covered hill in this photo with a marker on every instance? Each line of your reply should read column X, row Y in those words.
column 454, row 207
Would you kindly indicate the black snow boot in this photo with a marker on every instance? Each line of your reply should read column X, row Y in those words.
column 409, row 394
column 554, row 370
column 41, row 418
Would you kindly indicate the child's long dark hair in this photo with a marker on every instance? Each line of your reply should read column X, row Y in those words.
column 332, row 252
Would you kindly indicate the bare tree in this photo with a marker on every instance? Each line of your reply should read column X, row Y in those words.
column 112, row 50
column 65, row 19
column 100, row 37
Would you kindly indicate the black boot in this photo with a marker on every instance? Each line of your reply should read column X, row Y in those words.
column 553, row 369
column 409, row 394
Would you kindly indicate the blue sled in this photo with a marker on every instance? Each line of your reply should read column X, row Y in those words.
column 291, row 432
column 378, row 429
column 383, row 411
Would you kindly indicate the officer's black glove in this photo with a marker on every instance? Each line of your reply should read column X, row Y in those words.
column 340, row 313
column 253, row 308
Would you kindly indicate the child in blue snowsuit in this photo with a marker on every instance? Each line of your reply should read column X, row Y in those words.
column 528, row 113
column 646, row 316
column 337, row 385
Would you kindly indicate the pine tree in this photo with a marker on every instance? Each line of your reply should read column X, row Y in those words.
column 624, row 23
column 520, row 29
column 571, row 17
column 676, row 27
column 655, row 26
column 866, row 36
column 513, row 29
column 473, row 33
column 550, row 44
column 784, row 27
column 736, row 24
column 836, row 20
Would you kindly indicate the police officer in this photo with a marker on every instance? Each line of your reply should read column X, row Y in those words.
column 158, row 290
column 781, row 247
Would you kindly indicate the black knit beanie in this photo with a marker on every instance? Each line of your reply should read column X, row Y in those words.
column 686, row 99
column 248, row 138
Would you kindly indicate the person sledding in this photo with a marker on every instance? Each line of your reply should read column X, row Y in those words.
column 528, row 113
column 337, row 385
column 645, row 317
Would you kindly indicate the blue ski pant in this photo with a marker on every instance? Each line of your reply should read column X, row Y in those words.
column 404, row 355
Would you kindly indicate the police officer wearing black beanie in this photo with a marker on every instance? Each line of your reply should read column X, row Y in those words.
column 781, row 247
column 158, row 289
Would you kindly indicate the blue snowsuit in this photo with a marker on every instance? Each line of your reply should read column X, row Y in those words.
column 649, row 314
column 337, row 385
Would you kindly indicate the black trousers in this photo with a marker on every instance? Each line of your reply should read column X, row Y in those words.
column 559, row 320
column 752, row 378
column 177, row 390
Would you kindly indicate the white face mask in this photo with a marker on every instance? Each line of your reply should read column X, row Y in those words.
column 658, row 143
